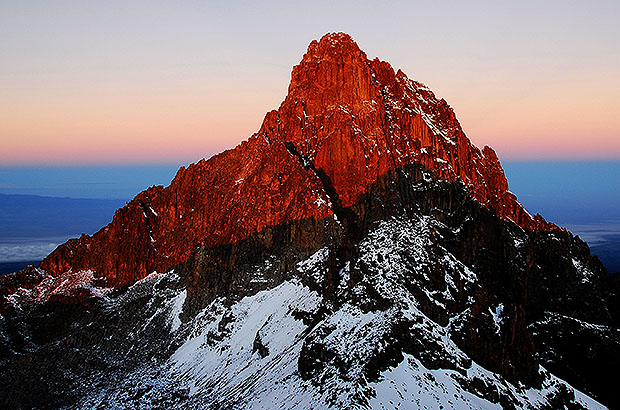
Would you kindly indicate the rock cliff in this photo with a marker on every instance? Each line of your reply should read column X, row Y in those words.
column 349, row 119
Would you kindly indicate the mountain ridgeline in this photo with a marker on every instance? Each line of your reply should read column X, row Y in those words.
column 356, row 252
column 352, row 118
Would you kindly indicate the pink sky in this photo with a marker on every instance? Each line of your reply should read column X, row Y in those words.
column 157, row 82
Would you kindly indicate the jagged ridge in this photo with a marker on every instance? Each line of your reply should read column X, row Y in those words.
column 350, row 118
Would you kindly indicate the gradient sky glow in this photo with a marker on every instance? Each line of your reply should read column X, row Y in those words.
column 118, row 82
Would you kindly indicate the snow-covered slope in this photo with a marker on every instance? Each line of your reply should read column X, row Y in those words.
column 289, row 347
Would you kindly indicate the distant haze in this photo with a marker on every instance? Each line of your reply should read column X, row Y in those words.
column 171, row 82
column 568, row 192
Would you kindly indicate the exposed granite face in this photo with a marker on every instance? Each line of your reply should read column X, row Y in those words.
column 356, row 118
column 233, row 195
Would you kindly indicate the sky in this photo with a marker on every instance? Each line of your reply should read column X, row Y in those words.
column 152, row 82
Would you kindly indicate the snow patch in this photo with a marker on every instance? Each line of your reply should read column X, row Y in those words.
column 177, row 308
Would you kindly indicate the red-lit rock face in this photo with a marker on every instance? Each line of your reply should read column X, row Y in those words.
column 351, row 117
column 356, row 119
column 227, row 198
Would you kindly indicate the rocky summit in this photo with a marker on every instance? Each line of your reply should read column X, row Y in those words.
column 358, row 251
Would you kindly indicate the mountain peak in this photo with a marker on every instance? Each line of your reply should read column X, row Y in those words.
column 357, row 249
column 332, row 45
column 333, row 70
column 345, row 122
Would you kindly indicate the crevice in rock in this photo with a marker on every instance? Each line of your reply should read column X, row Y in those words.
column 346, row 216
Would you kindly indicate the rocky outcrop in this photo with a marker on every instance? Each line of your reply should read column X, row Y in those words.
column 10, row 283
column 347, row 118
column 228, row 198
column 356, row 119
column 28, row 278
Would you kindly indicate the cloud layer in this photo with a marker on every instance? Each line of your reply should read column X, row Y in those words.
column 27, row 250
